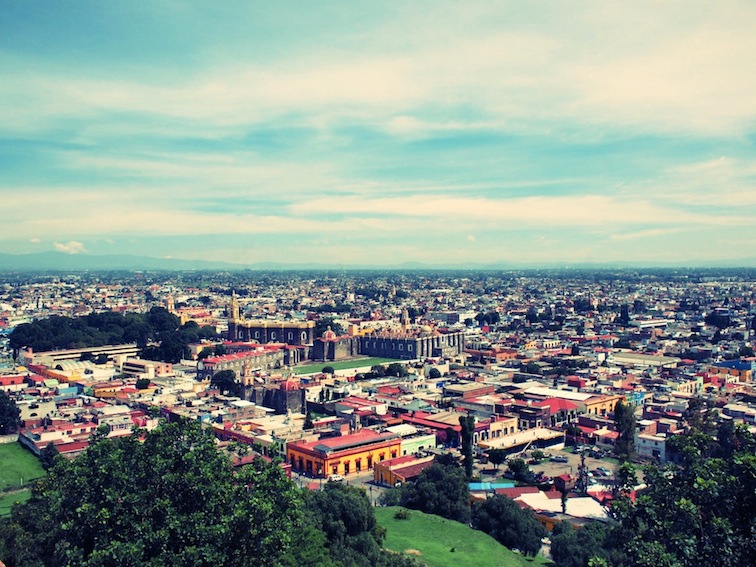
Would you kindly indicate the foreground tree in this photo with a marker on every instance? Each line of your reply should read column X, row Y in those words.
column 441, row 490
column 575, row 548
column 347, row 519
column 698, row 513
column 510, row 525
column 172, row 499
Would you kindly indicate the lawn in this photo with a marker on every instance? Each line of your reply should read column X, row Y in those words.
column 17, row 466
column 8, row 500
column 438, row 542
column 344, row 365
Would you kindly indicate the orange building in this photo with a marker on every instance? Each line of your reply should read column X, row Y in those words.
column 401, row 469
column 343, row 455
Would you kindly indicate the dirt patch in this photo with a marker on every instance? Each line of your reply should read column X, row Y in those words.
column 413, row 552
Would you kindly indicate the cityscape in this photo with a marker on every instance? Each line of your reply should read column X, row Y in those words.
column 564, row 392
column 360, row 284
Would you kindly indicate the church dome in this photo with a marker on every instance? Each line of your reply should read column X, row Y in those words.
column 290, row 385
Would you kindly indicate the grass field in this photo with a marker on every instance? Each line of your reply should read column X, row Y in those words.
column 344, row 365
column 8, row 500
column 17, row 466
column 430, row 540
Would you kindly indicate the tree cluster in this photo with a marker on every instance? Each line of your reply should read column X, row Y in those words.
column 490, row 318
column 696, row 512
column 171, row 498
column 504, row 520
column 393, row 369
column 158, row 333
column 346, row 529
column 441, row 489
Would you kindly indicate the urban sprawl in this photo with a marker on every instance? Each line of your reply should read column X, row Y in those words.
column 362, row 377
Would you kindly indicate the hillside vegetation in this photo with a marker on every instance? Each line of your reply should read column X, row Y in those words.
column 438, row 542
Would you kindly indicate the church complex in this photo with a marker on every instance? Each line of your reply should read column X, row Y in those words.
column 299, row 343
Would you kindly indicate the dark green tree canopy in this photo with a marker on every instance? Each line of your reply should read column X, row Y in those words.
column 49, row 456
column 225, row 381
column 396, row 369
column 159, row 333
column 575, row 548
column 172, row 499
column 467, row 422
column 434, row 373
column 441, row 490
column 696, row 512
column 322, row 324
column 497, row 456
column 345, row 516
column 624, row 420
column 9, row 415
column 510, row 525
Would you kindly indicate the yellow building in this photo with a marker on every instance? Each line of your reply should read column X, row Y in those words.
column 344, row 455
column 600, row 405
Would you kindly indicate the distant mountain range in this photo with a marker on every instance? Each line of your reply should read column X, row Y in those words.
column 58, row 261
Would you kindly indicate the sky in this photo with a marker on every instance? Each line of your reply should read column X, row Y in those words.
column 377, row 133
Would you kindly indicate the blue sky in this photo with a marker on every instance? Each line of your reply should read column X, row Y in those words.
column 380, row 133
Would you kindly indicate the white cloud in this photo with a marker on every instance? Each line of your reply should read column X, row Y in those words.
column 650, row 233
column 561, row 211
column 71, row 247
column 682, row 68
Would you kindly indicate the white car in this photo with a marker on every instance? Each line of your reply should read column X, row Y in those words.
column 335, row 478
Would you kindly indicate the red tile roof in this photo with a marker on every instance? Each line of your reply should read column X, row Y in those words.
column 516, row 491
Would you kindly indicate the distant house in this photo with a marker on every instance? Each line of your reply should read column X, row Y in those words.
column 401, row 469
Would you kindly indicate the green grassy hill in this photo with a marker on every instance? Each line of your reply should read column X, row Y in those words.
column 18, row 466
column 430, row 539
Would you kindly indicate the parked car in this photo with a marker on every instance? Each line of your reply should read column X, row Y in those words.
column 559, row 459
column 335, row 478
column 605, row 471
